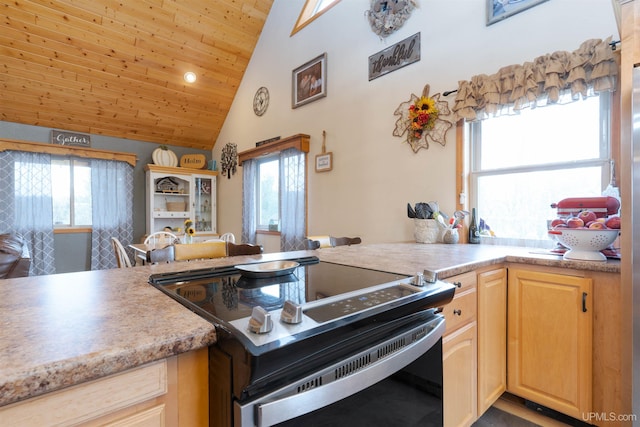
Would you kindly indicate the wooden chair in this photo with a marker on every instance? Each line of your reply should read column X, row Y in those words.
column 228, row 237
column 345, row 241
column 234, row 249
column 161, row 238
column 122, row 259
column 317, row 242
column 166, row 254
column 200, row 250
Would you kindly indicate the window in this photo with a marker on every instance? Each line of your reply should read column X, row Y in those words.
column 268, row 192
column 71, row 192
column 312, row 9
column 520, row 164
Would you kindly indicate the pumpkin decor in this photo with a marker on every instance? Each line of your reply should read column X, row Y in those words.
column 162, row 156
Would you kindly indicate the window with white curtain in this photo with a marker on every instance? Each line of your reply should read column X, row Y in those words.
column 71, row 192
column 522, row 163
column 268, row 192
column 275, row 187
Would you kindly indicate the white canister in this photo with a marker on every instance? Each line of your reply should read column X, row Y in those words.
column 426, row 230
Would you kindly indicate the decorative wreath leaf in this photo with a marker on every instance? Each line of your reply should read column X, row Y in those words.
column 436, row 134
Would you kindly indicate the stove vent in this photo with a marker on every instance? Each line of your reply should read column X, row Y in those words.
column 352, row 366
column 313, row 383
column 392, row 347
column 419, row 334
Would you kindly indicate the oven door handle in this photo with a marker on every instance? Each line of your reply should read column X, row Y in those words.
column 273, row 412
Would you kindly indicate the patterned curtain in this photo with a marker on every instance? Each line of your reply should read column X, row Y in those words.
column 26, row 206
column 249, row 171
column 292, row 200
column 112, row 210
column 559, row 77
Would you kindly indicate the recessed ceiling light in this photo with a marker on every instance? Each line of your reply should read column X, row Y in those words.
column 189, row 77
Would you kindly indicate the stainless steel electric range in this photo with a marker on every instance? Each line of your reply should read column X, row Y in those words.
column 298, row 337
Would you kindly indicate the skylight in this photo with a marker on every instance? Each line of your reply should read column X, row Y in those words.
column 312, row 9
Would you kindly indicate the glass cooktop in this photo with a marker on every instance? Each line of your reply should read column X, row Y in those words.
column 228, row 295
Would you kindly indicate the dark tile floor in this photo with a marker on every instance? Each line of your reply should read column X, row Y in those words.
column 497, row 418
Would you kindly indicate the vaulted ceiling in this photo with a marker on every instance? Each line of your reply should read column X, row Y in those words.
column 116, row 67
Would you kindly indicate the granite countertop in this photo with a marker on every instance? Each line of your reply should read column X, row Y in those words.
column 450, row 260
column 64, row 329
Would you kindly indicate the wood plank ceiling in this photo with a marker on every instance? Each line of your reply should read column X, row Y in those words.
column 116, row 67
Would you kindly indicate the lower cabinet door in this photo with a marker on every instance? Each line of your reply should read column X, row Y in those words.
column 550, row 340
column 459, row 354
column 492, row 337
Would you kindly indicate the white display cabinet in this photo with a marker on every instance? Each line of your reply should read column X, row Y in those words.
column 177, row 194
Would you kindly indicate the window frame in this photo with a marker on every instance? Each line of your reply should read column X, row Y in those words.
column 72, row 163
column 310, row 12
column 469, row 140
column 258, row 184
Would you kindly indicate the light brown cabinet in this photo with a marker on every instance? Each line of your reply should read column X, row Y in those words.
column 459, row 354
column 169, row 392
column 459, row 372
column 492, row 337
column 550, row 331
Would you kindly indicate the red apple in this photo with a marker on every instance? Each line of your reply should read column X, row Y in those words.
column 597, row 225
column 559, row 226
column 613, row 222
column 558, row 221
column 602, row 220
column 575, row 222
column 587, row 216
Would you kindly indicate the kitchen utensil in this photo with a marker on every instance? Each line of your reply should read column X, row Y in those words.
column 584, row 243
column 424, row 211
column 602, row 206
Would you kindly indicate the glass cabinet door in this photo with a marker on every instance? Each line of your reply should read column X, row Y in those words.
column 204, row 204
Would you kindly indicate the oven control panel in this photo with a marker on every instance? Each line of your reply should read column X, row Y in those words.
column 293, row 320
column 356, row 303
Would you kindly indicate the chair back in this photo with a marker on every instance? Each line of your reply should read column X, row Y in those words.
column 234, row 249
column 345, row 241
column 122, row 259
column 323, row 242
column 166, row 254
column 228, row 237
column 15, row 260
column 200, row 250
column 161, row 237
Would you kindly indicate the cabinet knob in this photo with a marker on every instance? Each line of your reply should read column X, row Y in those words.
column 457, row 284
column 457, row 311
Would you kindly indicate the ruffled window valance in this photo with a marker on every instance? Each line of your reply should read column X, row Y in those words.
column 557, row 77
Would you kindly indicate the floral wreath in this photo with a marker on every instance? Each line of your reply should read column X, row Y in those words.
column 423, row 118
column 387, row 16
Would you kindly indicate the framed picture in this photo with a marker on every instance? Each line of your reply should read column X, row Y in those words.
column 497, row 10
column 324, row 162
column 309, row 81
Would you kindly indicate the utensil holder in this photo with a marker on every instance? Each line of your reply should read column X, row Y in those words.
column 427, row 231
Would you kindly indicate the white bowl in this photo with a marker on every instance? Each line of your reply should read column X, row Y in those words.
column 585, row 243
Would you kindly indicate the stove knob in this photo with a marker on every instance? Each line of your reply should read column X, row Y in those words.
column 260, row 321
column 291, row 312
column 418, row 279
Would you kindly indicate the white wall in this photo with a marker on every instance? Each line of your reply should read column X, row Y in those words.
column 375, row 174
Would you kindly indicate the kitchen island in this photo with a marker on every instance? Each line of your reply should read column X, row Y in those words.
column 66, row 329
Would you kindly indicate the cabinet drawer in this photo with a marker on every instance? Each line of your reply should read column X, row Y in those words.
column 90, row 400
column 461, row 310
column 463, row 281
